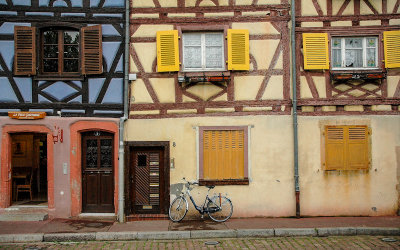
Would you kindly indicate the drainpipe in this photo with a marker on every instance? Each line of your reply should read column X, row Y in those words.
column 295, row 133
column 121, row 152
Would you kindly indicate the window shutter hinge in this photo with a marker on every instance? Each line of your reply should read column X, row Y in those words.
column 179, row 37
column 323, row 133
column 323, row 164
column 369, row 132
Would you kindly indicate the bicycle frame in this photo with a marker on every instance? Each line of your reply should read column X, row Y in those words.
column 202, row 209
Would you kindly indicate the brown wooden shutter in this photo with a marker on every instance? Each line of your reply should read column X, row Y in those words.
column 346, row 147
column 92, row 54
column 223, row 154
column 357, row 157
column 335, row 148
column 24, row 50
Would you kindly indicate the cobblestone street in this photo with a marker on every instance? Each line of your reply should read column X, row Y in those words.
column 334, row 242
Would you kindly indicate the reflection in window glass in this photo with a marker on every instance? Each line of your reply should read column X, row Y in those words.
column 203, row 51
column 60, row 51
column 354, row 52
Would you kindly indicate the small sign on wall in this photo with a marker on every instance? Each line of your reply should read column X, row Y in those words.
column 26, row 115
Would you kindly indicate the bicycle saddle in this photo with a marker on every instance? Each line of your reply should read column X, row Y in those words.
column 210, row 187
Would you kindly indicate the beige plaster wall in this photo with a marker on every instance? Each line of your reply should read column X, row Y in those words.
column 368, row 193
column 271, row 190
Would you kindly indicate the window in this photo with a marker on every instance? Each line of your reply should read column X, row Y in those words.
column 346, row 147
column 60, row 52
column 351, row 53
column 63, row 52
column 223, row 156
column 203, row 51
column 354, row 52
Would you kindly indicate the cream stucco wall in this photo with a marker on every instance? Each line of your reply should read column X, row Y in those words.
column 271, row 189
column 353, row 193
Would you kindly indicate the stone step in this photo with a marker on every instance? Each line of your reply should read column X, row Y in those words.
column 23, row 216
column 139, row 217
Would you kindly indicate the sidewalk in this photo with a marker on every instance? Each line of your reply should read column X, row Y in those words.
column 83, row 230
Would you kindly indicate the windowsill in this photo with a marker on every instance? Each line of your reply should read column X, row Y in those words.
column 357, row 74
column 244, row 181
column 56, row 78
column 204, row 73
column 356, row 70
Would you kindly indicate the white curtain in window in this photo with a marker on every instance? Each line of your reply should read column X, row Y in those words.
column 192, row 50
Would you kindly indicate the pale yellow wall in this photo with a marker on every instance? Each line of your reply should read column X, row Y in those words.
column 271, row 190
column 349, row 192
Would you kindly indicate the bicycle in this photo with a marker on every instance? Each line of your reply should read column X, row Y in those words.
column 219, row 208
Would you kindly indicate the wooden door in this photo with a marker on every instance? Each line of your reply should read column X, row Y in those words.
column 147, row 180
column 97, row 172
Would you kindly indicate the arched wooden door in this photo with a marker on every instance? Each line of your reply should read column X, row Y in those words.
column 97, row 172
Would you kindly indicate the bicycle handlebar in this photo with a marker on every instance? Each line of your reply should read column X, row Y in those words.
column 190, row 182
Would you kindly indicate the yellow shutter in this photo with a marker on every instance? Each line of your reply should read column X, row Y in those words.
column 167, row 51
column 334, row 147
column 346, row 147
column 357, row 143
column 315, row 51
column 238, row 50
column 391, row 41
column 223, row 154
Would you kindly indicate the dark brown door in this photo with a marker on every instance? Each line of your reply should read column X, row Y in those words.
column 148, row 180
column 97, row 172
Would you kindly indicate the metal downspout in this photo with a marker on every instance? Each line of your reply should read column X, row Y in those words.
column 295, row 132
column 121, row 152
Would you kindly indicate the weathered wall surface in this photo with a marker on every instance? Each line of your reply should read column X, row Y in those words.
column 369, row 193
column 271, row 188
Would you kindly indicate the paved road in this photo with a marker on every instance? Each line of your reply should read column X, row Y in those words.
column 334, row 242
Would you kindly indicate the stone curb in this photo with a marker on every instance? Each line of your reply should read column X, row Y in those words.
column 201, row 234
column 21, row 238
column 285, row 232
column 69, row 237
column 255, row 233
column 103, row 236
column 336, row 231
column 164, row 235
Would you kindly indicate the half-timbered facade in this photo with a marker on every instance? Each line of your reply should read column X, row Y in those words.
column 61, row 96
column 211, row 103
column 348, row 96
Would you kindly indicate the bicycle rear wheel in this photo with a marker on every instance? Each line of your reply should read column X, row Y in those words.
column 178, row 209
column 219, row 208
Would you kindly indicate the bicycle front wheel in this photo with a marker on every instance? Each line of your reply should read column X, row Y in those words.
column 178, row 209
column 219, row 208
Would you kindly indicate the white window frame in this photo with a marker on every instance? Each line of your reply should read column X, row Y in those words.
column 203, row 53
column 364, row 48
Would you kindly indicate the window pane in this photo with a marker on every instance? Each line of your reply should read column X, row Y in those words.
column 50, row 65
column 71, row 51
column 354, row 58
column 71, row 65
column 192, row 39
column 50, row 37
column 371, row 56
column 214, row 57
column 353, row 43
column 336, row 43
column 213, row 39
column 71, row 37
column 192, row 57
column 50, row 51
column 371, row 42
column 337, row 58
